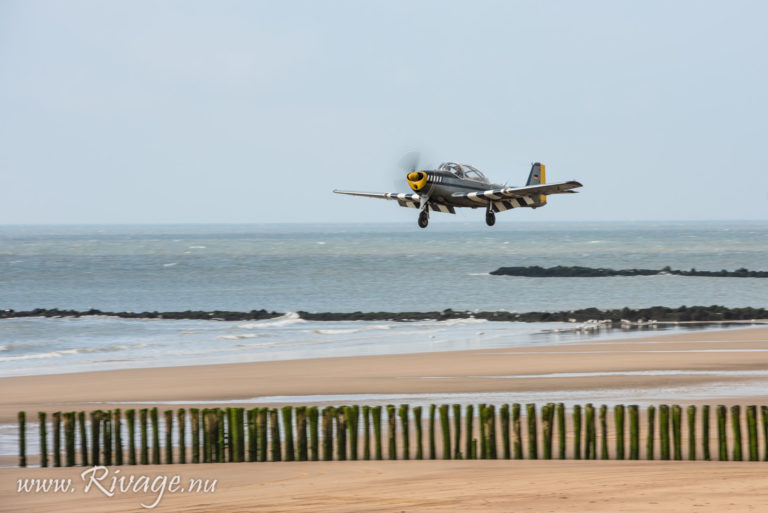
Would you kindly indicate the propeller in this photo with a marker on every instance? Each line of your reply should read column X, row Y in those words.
column 408, row 163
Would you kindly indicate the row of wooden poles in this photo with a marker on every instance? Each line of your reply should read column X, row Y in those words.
column 310, row 434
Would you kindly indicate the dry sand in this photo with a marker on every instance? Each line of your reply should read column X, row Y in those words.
column 425, row 486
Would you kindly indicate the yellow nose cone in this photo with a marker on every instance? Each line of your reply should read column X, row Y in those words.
column 417, row 180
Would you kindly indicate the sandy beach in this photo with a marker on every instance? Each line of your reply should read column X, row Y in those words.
column 706, row 365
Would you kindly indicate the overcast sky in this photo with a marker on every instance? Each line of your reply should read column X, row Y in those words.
column 224, row 111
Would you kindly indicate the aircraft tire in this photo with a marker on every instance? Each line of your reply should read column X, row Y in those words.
column 423, row 219
column 490, row 218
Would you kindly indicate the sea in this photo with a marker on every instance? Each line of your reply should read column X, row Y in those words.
column 342, row 268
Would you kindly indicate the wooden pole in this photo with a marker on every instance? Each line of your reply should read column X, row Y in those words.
column 577, row 431
column 677, row 431
column 603, row 416
column 22, row 416
column 367, row 431
column 419, row 434
column 533, row 451
column 490, row 431
column 95, row 434
column 328, row 415
column 404, row 422
column 446, row 430
column 691, row 415
column 561, row 434
column 314, row 435
column 590, row 432
column 722, row 437
column 634, row 432
column 705, row 433
column 504, row 418
column 457, row 432
column 240, row 432
column 229, row 430
column 194, row 424
column 618, row 414
column 517, row 432
column 432, row 441
column 43, row 439
column 482, row 414
column 353, row 429
column 764, row 419
column 752, row 432
column 392, row 423
column 301, row 433
column 341, row 433
column 83, row 438
column 649, row 449
column 288, row 432
column 181, row 422
column 130, row 420
column 205, row 418
column 664, row 431
column 117, row 436
column 378, row 445
column 469, row 422
column 155, row 436
column 69, row 438
column 546, row 433
column 274, row 433
column 106, row 424
column 736, row 428
column 57, row 439
column 221, row 442
column 262, row 426
column 168, row 414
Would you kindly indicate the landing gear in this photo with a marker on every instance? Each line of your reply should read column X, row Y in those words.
column 490, row 217
column 423, row 218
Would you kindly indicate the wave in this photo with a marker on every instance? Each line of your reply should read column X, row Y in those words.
column 278, row 322
column 349, row 331
column 67, row 352
column 241, row 336
column 462, row 322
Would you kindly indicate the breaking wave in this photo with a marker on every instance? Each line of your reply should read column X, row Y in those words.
column 278, row 322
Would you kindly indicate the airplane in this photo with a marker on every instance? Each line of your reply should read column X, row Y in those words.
column 454, row 185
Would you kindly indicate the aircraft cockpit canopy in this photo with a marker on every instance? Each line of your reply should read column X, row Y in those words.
column 463, row 171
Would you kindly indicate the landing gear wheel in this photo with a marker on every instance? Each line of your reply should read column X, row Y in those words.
column 490, row 218
column 423, row 219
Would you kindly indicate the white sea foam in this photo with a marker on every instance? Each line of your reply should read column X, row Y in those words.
column 241, row 336
column 278, row 322
column 171, row 264
column 462, row 322
column 350, row 331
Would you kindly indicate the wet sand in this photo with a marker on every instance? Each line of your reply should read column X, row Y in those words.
column 693, row 361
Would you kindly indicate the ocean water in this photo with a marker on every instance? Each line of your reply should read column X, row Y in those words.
column 339, row 268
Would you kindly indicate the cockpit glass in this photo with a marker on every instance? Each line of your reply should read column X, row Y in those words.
column 463, row 171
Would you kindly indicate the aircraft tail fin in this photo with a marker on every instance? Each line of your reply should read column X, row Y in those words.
column 538, row 176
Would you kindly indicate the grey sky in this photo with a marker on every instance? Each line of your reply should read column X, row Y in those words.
column 143, row 112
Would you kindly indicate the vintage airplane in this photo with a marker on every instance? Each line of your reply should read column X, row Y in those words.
column 454, row 185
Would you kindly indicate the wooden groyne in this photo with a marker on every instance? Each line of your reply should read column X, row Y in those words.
column 483, row 431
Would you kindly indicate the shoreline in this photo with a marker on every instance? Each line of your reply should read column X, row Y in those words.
column 597, row 365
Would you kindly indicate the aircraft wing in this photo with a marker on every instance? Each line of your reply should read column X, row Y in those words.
column 404, row 199
column 519, row 192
